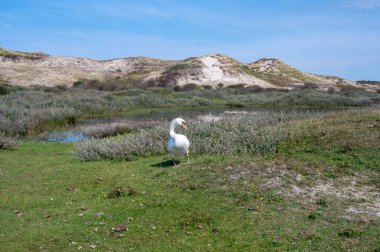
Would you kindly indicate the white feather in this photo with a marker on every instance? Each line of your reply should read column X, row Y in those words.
column 178, row 144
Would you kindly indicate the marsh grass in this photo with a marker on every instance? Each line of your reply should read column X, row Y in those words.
column 258, row 133
column 143, row 143
column 35, row 110
column 116, row 128
column 23, row 111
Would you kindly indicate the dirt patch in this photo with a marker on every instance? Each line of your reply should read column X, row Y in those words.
column 360, row 200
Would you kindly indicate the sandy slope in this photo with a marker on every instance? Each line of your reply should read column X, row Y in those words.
column 205, row 70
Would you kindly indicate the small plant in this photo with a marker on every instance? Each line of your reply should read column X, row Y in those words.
column 310, row 85
column 208, row 87
column 177, row 88
column 116, row 192
column 7, row 142
column 322, row 202
column 349, row 233
column 315, row 214
column 194, row 217
column 237, row 86
column 178, row 67
column 189, row 87
column 3, row 90
column 254, row 89
column 331, row 90
column 78, row 83
column 120, row 191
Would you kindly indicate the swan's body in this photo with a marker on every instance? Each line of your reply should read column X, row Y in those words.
column 178, row 144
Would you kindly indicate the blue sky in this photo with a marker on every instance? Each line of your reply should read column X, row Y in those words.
column 318, row 36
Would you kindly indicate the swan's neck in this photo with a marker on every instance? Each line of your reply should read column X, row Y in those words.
column 172, row 125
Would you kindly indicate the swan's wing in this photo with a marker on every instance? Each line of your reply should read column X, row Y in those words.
column 171, row 144
column 182, row 142
column 178, row 145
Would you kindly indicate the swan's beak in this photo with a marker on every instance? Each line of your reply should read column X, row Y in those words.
column 184, row 125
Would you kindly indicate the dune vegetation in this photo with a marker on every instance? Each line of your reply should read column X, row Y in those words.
column 27, row 110
column 288, row 180
column 316, row 189
column 258, row 133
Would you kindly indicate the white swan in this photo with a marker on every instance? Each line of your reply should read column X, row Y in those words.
column 178, row 145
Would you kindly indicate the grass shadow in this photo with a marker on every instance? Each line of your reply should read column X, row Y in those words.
column 166, row 163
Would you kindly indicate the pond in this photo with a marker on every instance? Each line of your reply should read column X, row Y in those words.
column 101, row 126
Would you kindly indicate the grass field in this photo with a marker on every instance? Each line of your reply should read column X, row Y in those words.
column 318, row 192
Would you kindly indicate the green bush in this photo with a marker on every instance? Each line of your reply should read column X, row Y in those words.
column 3, row 90
column 189, row 87
column 178, row 67
column 208, row 87
column 237, row 86
column 78, row 83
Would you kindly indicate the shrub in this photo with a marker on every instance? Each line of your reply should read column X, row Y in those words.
column 307, row 97
column 368, row 82
column 177, row 67
column 208, row 87
column 143, row 143
column 3, row 90
column 254, row 89
column 331, row 90
column 78, row 83
column 7, row 142
column 348, row 90
column 244, row 135
column 30, row 110
column 189, row 87
column 237, row 86
column 114, row 129
column 310, row 85
column 177, row 88
column 62, row 87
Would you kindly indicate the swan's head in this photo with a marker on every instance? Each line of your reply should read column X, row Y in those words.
column 180, row 122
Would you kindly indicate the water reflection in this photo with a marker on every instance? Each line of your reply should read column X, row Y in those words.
column 65, row 136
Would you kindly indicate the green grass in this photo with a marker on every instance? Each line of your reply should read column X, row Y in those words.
column 287, row 73
column 349, row 141
column 15, row 54
column 269, row 77
column 215, row 203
